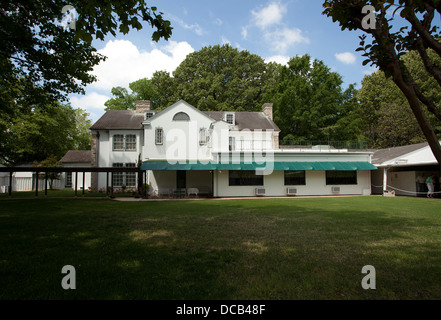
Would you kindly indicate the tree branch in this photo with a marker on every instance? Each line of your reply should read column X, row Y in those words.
column 422, row 30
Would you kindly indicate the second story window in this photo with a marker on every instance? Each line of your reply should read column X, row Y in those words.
column 202, row 136
column 124, row 143
column 159, row 136
column 232, row 144
column 131, row 142
column 118, row 142
column 229, row 118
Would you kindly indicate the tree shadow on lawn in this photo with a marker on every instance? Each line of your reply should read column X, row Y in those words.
column 223, row 251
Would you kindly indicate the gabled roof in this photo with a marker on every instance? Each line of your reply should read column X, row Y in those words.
column 388, row 154
column 129, row 119
column 77, row 156
column 119, row 119
column 246, row 120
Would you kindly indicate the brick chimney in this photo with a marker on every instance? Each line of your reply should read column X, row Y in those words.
column 142, row 106
column 267, row 109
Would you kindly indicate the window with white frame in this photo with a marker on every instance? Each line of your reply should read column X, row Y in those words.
column 159, row 136
column 229, row 118
column 68, row 182
column 149, row 114
column 202, row 136
column 130, row 176
column 127, row 179
column 118, row 177
column 130, row 142
column 118, row 142
column 124, row 142
column 232, row 144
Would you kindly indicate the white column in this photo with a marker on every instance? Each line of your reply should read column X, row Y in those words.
column 384, row 180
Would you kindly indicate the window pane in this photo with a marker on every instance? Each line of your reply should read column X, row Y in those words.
column 118, row 142
column 295, row 178
column 245, row 178
column 68, row 179
column 131, row 142
column 118, row 177
column 202, row 136
column 232, row 144
column 341, row 177
column 130, row 176
column 158, row 135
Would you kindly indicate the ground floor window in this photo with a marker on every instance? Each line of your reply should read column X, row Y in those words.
column 341, row 177
column 68, row 183
column 295, row 178
column 127, row 179
column 245, row 178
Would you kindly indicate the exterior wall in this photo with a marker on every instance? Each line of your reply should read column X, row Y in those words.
column 274, row 185
column 180, row 138
column 87, row 178
column 253, row 140
column 107, row 156
column 162, row 182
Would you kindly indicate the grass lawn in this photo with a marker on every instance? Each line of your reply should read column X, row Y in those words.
column 311, row 248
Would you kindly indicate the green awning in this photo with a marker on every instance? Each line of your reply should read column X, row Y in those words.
column 275, row 166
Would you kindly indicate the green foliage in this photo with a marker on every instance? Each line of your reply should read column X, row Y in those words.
column 223, row 78
column 49, row 162
column 388, row 120
column 142, row 89
column 36, row 134
column 82, row 136
column 214, row 78
column 391, row 43
column 309, row 102
column 41, row 60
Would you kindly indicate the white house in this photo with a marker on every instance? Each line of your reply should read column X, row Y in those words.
column 400, row 166
column 222, row 154
column 76, row 159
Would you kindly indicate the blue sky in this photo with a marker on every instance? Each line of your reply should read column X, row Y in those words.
column 274, row 30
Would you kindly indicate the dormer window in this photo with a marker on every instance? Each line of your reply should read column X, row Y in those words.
column 149, row 114
column 181, row 116
column 229, row 118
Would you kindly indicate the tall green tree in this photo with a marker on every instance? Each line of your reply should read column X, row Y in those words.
column 142, row 89
column 389, row 43
column 47, row 59
column 223, row 78
column 36, row 134
column 82, row 135
column 309, row 101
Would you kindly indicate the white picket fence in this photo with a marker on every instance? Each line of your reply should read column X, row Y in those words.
column 26, row 184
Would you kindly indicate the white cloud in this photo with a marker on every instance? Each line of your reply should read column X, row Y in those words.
column 283, row 60
column 225, row 40
column 346, row 57
column 218, row 22
column 244, row 32
column 125, row 63
column 194, row 27
column 92, row 102
column 282, row 40
column 268, row 16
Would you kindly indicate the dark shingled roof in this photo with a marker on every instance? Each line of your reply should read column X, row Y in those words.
column 247, row 120
column 119, row 119
column 129, row 119
column 77, row 156
column 388, row 154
